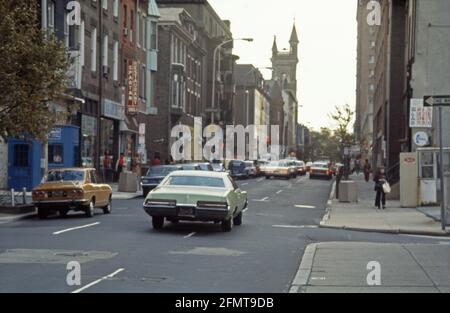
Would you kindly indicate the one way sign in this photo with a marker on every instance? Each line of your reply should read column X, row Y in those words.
column 436, row 101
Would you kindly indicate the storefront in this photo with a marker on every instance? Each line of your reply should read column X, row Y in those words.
column 88, row 140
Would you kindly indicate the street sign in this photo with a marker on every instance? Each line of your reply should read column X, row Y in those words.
column 420, row 116
column 421, row 139
column 436, row 101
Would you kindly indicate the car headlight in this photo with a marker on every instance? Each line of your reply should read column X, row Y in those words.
column 156, row 202
column 212, row 205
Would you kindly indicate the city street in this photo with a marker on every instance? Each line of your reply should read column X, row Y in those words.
column 122, row 253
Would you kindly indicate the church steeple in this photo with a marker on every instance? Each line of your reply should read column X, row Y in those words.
column 294, row 37
column 274, row 46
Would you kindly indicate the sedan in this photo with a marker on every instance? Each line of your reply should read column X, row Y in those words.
column 155, row 175
column 301, row 167
column 197, row 196
column 320, row 170
column 278, row 169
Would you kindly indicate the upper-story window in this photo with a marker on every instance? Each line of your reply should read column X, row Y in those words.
column 51, row 16
column 154, row 36
column 116, row 8
column 105, row 4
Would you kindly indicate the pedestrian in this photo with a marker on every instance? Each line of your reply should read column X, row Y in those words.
column 106, row 165
column 380, row 179
column 367, row 170
column 357, row 166
column 156, row 159
column 136, row 168
column 120, row 165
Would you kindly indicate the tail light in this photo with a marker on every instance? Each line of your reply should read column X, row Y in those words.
column 156, row 202
column 212, row 205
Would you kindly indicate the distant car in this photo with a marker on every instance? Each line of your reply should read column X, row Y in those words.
column 68, row 189
column 308, row 166
column 197, row 196
column 238, row 169
column 301, row 167
column 293, row 167
column 261, row 166
column 155, row 175
column 278, row 169
column 191, row 167
column 321, row 170
column 206, row 167
column 218, row 167
column 250, row 168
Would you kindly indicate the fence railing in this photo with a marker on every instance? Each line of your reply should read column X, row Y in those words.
column 13, row 197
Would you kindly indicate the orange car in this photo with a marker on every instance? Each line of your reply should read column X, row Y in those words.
column 68, row 189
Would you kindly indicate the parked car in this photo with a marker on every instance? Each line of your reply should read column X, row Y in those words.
column 218, row 167
column 250, row 168
column 68, row 189
column 238, row 169
column 155, row 175
column 278, row 169
column 197, row 196
column 191, row 167
column 308, row 166
column 301, row 168
column 206, row 167
column 261, row 167
column 321, row 170
column 292, row 167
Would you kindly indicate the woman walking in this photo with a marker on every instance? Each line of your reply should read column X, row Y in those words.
column 380, row 179
column 367, row 170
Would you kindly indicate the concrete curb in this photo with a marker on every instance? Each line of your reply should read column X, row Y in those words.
column 304, row 271
column 387, row 231
column 119, row 197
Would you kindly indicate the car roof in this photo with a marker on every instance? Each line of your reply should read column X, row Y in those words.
column 199, row 174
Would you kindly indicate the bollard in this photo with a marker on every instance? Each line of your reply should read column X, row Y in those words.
column 24, row 195
column 13, row 204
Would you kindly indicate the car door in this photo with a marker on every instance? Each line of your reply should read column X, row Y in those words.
column 239, row 195
column 101, row 194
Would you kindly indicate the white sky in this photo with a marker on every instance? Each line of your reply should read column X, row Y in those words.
column 327, row 32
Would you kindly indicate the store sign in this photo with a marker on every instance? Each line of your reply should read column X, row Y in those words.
column 113, row 110
column 132, row 94
column 421, row 139
column 55, row 134
column 420, row 116
column 142, row 134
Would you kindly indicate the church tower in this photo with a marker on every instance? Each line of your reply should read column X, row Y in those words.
column 284, row 63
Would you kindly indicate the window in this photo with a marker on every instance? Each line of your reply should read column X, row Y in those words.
column 82, row 43
column 154, row 35
column 131, row 25
column 144, row 32
column 142, row 82
column 94, row 49
column 66, row 31
column 55, row 154
column 51, row 16
column 116, row 8
column 105, row 51
column 105, row 4
column 138, row 29
column 21, row 155
column 125, row 17
column 371, row 59
column 116, row 61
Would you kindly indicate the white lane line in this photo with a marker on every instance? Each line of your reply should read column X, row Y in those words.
column 244, row 184
column 305, row 206
column 99, row 280
column 279, row 191
column 260, row 180
column 261, row 200
column 75, row 228
column 296, row 227
column 245, row 210
column 190, row 235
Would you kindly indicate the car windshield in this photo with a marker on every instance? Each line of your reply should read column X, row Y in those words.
column 196, row 181
column 190, row 167
column 161, row 170
column 217, row 166
column 249, row 164
column 277, row 164
column 65, row 176
column 320, row 165
column 205, row 167
column 236, row 165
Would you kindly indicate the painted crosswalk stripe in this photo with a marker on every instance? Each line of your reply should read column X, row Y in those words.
column 99, row 280
column 296, row 226
column 300, row 206
column 75, row 228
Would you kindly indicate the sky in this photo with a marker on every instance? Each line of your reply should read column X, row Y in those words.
column 327, row 30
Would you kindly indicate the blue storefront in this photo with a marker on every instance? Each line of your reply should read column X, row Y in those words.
column 24, row 168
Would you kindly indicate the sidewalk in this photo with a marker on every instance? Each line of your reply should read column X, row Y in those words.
column 338, row 267
column 116, row 195
column 363, row 216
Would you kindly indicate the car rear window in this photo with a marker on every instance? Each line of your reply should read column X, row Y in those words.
column 196, row 181
column 320, row 165
column 161, row 170
column 65, row 176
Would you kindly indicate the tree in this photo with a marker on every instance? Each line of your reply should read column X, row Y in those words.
column 33, row 71
column 343, row 117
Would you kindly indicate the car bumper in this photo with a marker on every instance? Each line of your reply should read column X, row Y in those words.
column 149, row 186
column 321, row 174
column 199, row 214
column 61, row 204
column 274, row 174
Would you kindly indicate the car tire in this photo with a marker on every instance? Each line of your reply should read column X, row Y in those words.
column 238, row 220
column 63, row 213
column 227, row 225
column 90, row 210
column 158, row 222
column 108, row 208
column 42, row 213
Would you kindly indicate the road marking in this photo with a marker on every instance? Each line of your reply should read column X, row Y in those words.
column 428, row 237
column 296, row 226
column 245, row 210
column 261, row 200
column 305, row 206
column 279, row 191
column 260, row 180
column 99, row 280
column 244, row 184
column 190, row 235
column 75, row 228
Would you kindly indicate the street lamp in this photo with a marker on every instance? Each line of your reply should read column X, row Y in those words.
column 213, row 105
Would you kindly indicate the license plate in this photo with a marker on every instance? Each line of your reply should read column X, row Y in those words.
column 186, row 212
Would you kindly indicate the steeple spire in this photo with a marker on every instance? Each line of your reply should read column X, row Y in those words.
column 274, row 47
column 294, row 37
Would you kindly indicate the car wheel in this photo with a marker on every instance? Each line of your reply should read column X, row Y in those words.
column 108, row 208
column 158, row 222
column 227, row 225
column 89, row 210
column 63, row 212
column 238, row 220
column 42, row 213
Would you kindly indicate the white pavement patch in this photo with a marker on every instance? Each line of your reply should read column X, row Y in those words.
column 296, row 226
column 261, row 200
column 210, row 252
column 75, row 228
column 304, row 271
column 244, row 184
column 260, row 180
column 190, row 235
column 99, row 280
column 279, row 191
column 300, row 206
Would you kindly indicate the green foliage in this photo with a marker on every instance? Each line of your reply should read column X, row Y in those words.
column 33, row 71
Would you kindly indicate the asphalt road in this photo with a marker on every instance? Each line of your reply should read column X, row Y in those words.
column 262, row 255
